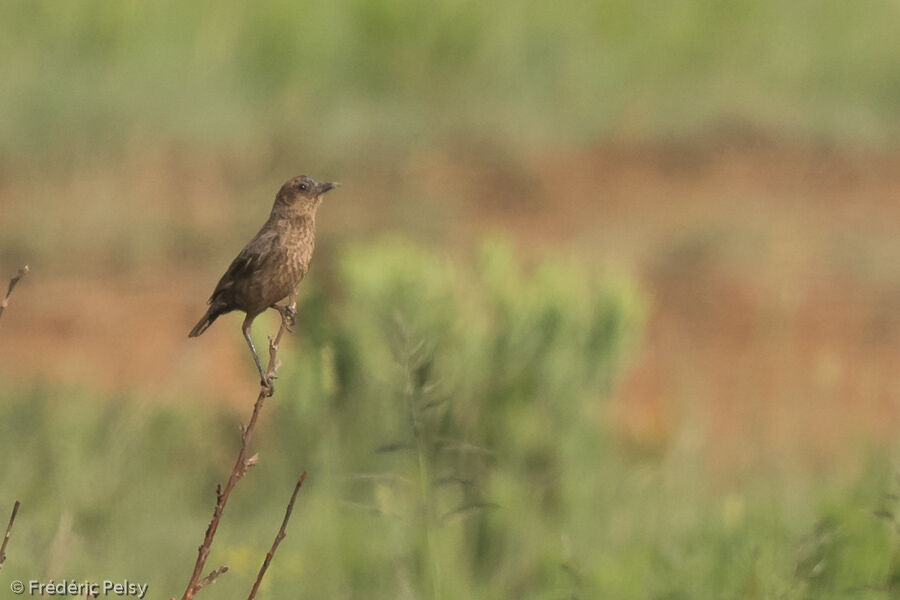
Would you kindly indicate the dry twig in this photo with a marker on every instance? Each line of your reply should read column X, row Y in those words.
column 241, row 465
column 211, row 578
column 3, row 304
column 12, row 519
column 12, row 285
column 280, row 536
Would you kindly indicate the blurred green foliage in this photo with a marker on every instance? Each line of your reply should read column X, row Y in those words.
column 451, row 414
column 138, row 133
column 90, row 77
column 467, row 392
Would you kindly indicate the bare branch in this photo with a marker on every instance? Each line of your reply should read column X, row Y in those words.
column 12, row 519
column 12, row 285
column 3, row 304
column 280, row 536
column 241, row 464
column 211, row 578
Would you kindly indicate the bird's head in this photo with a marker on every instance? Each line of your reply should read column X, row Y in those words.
column 303, row 194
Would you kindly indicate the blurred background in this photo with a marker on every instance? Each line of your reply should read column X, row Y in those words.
column 606, row 307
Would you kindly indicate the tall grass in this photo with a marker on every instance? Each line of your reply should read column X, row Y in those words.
column 138, row 133
column 91, row 77
column 452, row 417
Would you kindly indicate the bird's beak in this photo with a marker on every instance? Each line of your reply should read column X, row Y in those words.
column 326, row 186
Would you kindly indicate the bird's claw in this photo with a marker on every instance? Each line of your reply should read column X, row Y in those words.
column 268, row 381
column 288, row 316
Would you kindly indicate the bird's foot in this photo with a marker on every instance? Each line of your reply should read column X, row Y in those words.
column 268, row 381
column 288, row 324
column 288, row 315
column 290, row 312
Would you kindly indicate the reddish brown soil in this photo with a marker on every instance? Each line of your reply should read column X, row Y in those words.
column 774, row 276
column 772, row 271
column 122, row 334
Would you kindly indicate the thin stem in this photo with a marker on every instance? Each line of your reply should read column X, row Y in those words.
column 12, row 519
column 278, row 537
column 424, row 472
column 241, row 464
column 12, row 285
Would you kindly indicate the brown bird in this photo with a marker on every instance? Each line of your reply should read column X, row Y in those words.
column 272, row 264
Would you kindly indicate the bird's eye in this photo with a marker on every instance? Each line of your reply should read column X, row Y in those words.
column 303, row 187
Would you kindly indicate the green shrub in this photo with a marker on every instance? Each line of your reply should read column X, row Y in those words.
column 437, row 404
column 450, row 415
column 462, row 385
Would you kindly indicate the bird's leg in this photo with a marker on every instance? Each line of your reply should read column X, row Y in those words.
column 263, row 380
column 291, row 307
column 288, row 315
column 288, row 312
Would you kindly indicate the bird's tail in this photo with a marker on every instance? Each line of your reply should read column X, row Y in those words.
column 203, row 324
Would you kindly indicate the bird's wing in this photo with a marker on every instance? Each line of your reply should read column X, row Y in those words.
column 254, row 255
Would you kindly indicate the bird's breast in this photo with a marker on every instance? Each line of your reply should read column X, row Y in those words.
column 295, row 249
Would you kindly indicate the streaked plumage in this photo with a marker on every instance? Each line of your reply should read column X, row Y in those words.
column 273, row 263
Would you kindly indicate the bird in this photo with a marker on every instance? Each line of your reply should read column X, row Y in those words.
column 272, row 264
